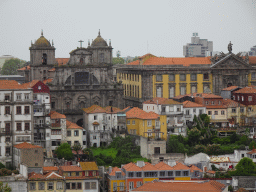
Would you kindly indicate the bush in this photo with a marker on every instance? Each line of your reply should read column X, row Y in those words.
column 230, row 188
column 9, row 172
column 2, row 165
column 15, row 171
column 252, row 145
column 213, row 149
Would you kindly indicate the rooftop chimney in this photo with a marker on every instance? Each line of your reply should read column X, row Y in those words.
column 140, row 163
column 171, row 162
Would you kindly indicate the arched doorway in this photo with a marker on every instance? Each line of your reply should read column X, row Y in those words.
column 80, row 122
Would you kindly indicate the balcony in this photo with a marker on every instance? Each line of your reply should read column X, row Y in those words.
column 56, row 125
column 4, row 133
column 188, row 116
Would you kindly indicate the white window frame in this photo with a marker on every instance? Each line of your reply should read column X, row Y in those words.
column 149, row 123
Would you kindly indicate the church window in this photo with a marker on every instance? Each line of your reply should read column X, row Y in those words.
column 44, row 59
column 206, row 76
column 110, row 103
column 101, row 57
column 193, row 77
column 53, row 104
column 96, row 103
column 159, row 91
column 81, row 61
column 182, row 77
column 172, row 92
column 171, row 77
column 81, row 105
column 68, row 105
column 183, row 90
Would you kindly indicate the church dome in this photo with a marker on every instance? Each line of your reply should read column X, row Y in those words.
column 42, row 42
column 99, row 42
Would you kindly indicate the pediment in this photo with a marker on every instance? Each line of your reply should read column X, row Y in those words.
column 231, row 61
column 80, row 51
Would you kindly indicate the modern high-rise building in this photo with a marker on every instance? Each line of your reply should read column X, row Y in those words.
column 198, row 47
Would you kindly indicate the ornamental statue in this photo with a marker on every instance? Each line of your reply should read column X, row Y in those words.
column 230, row 47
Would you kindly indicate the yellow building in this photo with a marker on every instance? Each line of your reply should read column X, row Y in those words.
column 116, row 179
column 152, row 76
column 146, row 124
column 74, row 134
column 50, row 182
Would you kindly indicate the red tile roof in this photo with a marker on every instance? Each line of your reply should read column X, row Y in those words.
column 24, row 68
column 190, row 104
column 194, row 168
column 51, row 168
column 10, row 84
column 252, row 151
column 52, row 69
column 71, row 125
column 114, row 170
column 56, row 115
column 94, row 109
column 230, row 88
column 137, row 113
column 132, row 167
column 113, row 110
column 53, row 175
column 177, row 186
column 216, row 107
column 180, row 166
column 35, row 176
column 70, row 168
column 30, row 84
column 161, row 101
column 185, row 61
column 248, row 89
column 26, row 145
column 252, row 59
column 62, row 61
column 163, row 166
column 232, row 103
column 149, row 167
column 47, row 81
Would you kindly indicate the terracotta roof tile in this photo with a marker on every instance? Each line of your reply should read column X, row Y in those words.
column 26, row 145
column 162, row 101
column 82, row 177
column 24, row 68
column 216, row 107
column 94, row 109
column 230, row 88
column 62, row 61
column 47, row 81
column 149, row 167
column 70, row 168
column 30, row 84
column 113, row 110
column 252, row 60
column 10, row 84
column 185, row 61
column 52, row 69
column 179, row 186
column 190, row 104
column 211, row 172
column 232, row 103
column 36, row 176
column 87, row 166
column 252, row 151
column 51, row 168
column 138, row 113
column 71, row 125
column 132, row 167
column 56, row 115
column 194, row 168
column 180, row 166
column 248, row 89
column 116, row 169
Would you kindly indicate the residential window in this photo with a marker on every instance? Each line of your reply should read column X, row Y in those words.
column 149, row 123
column 209, row 112
column 68, row 133
column 114, row 186
column 130, row 174
column 159, row 91
column 87, row 185
column 138, row 174
column 18, row 96
column 215, row 112
column 69, row 142
column 233, row 110
column 131, row 185
column 121, row 188
column 18, row 110
column 94, row 137
column 178, row 109
column 206, row 76
column 26, row 96
column 7, row 151
column 242, row 98
column 170, row 173
column 206, row 88
column 133, row 122
column 158, row 78
column 68, row 185
column 206, row 102
column 93, row 185
column 241, row 110
column 59, row 185
column 128, row 122
column 7, row 97
column 250, row 98
column 53, row 104
column 185, row 173
column 139, row 183
column 183, row 90
column 172, row 92
column 238, row 98
column 194, row 110
column 200, row 111
column 73, row 185
column 193, row 89
column 18, row 126
column 182, row 77
column 162, row 173
column 95, row 117
column 32, row 186
column 219, row 102
column 157, row 123
column 249, row 109
column 76, row 133
column 222, row 112
column 26, row 110
column 84, row 132
column 193, row 77
column 41, row 185
column 178, row 173
column 187, row 112
column 50, row 186
column 171, row 77
column 77, row 173
column 101, row 57
column 79, row 185
column 7, row 109
column 253, row 75
column 27, row 126
column 212, row 102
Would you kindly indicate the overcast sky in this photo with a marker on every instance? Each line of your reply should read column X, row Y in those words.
column 135, row 27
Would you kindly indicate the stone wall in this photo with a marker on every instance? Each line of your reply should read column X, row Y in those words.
column 30, row 157
column 246, row 182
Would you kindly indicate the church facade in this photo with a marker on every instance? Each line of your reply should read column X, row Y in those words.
column 78, row 82
column 152, row 76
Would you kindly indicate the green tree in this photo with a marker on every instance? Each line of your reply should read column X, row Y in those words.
column 5, row 188
column 252, row 145
column 89, row 154
column 245, row 167
column 117, row 60
column 174, row 146
column 11, row 65
column 206, row 119
column 77, row 148
column 194, row 135
column 234, row 137
column 64, row 151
